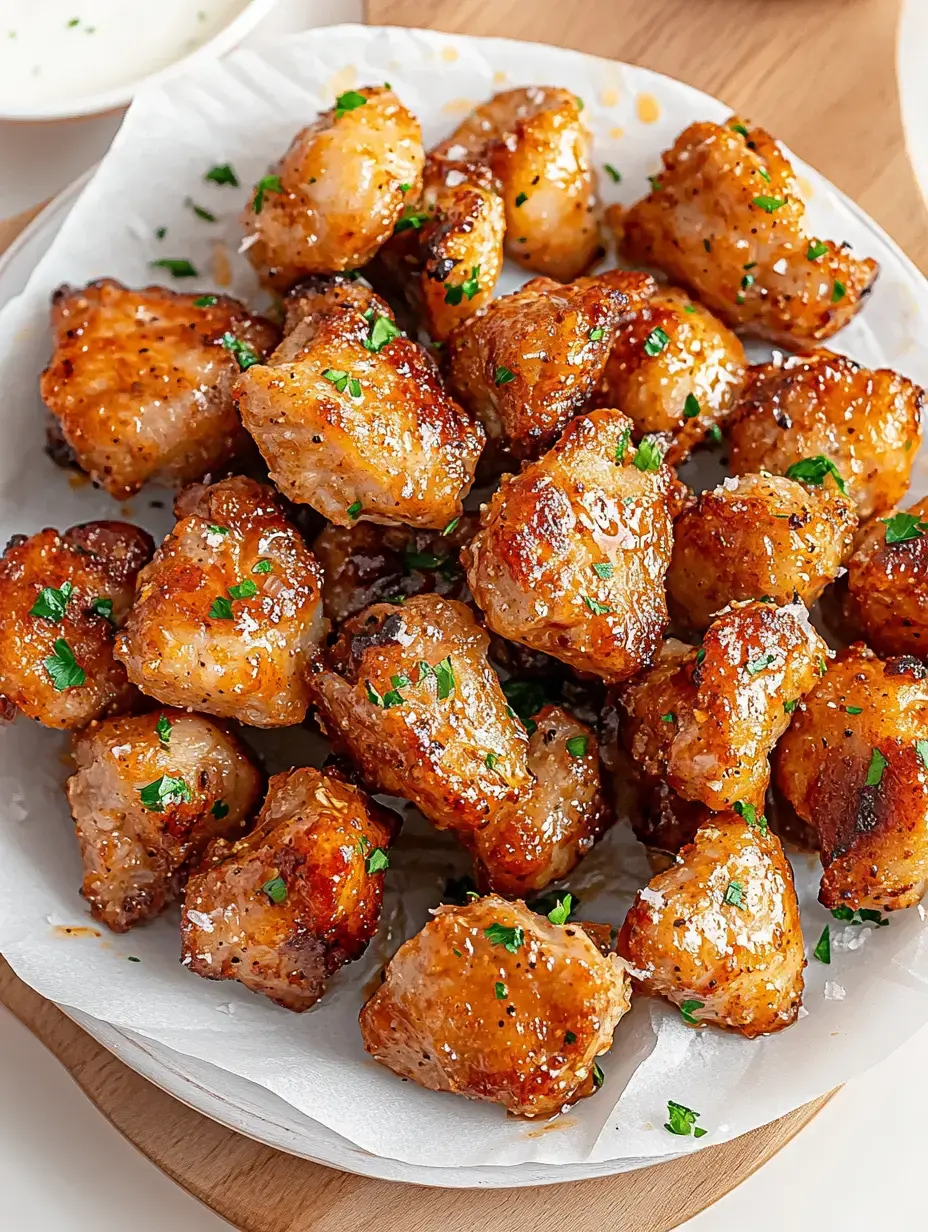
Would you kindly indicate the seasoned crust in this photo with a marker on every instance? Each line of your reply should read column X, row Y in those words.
column 521, row 1028
column 726, row 219
column 888, row 587
column 285, row 907
column 140, row 381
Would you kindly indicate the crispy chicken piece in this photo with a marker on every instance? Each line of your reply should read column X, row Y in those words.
column 64, row 596
column 447, row 253
column 571, row 554
column 140, row 381
column 707, row 718
column 854, row 763
column 229, row 611
column 543, row 837
column 718, row 933
column 149, row 793
column 538, row 145
column 824, row 405
column 336, row 194
column 285, row 907
column 366, row 563
column 674, row 370
column 726, row 219
column 528, row 363
column 494, row 1002
column 352, row 418
column 408, row 691
column 887, row 581
column 758, row 536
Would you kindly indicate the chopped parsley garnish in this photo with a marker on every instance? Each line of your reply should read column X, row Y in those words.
column 349, row 101
column 578, row 745
column 603, row 569
column 854, row 709
column 815, row 250
column 691, row 407
column 527, row 697
column 747, row 281
column 510, row 939
column 205, row 301
column 648, row 455
column 452, row 526
column 213, row 529
column 354, row 509
column 63, row 668
column 655, row 182
column 597, row 608
column 669, row 717
column 503, row 376
column 921, row 748
column 739, row 128
column 813, row 470
column 164, row 791
column 414, row 559
column 221, row 608
column 243, row 589
column 734, row 894
column 866, row 915
column 160, row 232
column 245, row 355
column 686, row 1011
column 838, row 292
column 176, row 267
column 768, row 204
column 199, row 210
column 377, row 861
column 598, row 1076
column 50, row 603
column 560, row 912
column 460, row 890
column 875, row 769
column 613, row 174
column 753, row 666
column 163, row 729
column 700, row 655
column 491, row 760
column 267, row 184
column 262, row 566
column 570, row 1038
column 392, row 697
column 656, row 341
column 596, row 334
column 500, row 989
column 469, row 287
column 902, row 527
column 622, row 447
column 748, row 812
column 682, row 1120
column 276, row 890
column 790, row 706
column 411, row 220
column 444, row 676
column 521, row 199
column 342, row 381
column 382, row 331
column 764, row 175
column 220, row 809
column 223, row 174
column 404, row 188
column 822, row 949
column 715, row 433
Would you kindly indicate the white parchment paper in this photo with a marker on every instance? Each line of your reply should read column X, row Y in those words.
column 244, row 111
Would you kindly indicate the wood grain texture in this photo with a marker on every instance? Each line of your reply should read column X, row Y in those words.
column 820, row 74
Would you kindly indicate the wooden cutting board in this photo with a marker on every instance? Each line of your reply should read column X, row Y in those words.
column 820, row 74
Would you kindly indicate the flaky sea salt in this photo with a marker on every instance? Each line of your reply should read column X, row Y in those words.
column 834, row 992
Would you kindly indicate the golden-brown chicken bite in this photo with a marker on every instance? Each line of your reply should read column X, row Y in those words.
column 528, row 363
column 675, row 370
column 854, row 764
column 887, row 580
column 64, row 597
column 285, row 907
column 725, row 218
column 408, row 691
column 542, row 838
column 229, row 611
column 718, row 933
column 149, row 793
column 334, row 197
column 571, row 555
column 366, row 563
column 140, row 381
column 537, row 143
column 352, row 418
column 707, row 718
column 494, row 1002
column 757, row 537
column 805, row 410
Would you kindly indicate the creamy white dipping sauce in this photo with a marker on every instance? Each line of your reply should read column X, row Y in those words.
column 63, row 50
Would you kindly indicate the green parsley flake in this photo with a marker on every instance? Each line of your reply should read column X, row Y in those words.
column 921, row 748
column 199, row 210
column 267, row 184
column 578, row 745
column 598, row 609
column 50, row 603
column 163, row 729
column 753, row 666
column 682, row 1120
column 613, row 174
column 648, row 455
column 354, row 509
column 570, row 1038
column 854, row 709
column 687, row 1011
column 669, row 717
column 902, row 527
column 815, row 250
column 596, row 334
column 243, row 589
column 521, row 199
column 691, row 407
column 223, row 174
column 655, row 182
column 404, row 188
column 245, row 355
column 814, row 470
column 715, row 433
column 790, row 706
column 838, row 292
column 213, row 529
column 349, row 101
column 656, row 341
column 491, row 760
column 598, row 1076
column 500, row 989
column 276, row 890
column 822, row 949
column 469, row 287
column 875, row 769
column 205, row 301
column 220, row 809
column 452, row 526
column 444, row 676
column 63, row 668
column 734, row 894
column 866, row 915
column 176, row 267
column 510, row 939
column 221, row 609
column 560, row 912
column 748, row 812
column 164, row 791
column 262, row 566
column 739, row 128
column 603, row 569
column 342, row 381
column 503, row 376
column 622, row 448
column 377, row 861
column 700, row 655
column 382, row 331
column 160, row 232
column 768, row 204
column 411, row 220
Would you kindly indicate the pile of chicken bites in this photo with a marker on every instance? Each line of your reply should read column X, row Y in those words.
column 597, row 641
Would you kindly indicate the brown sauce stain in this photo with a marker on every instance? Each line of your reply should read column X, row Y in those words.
column 550, row 1127
column 75, row 930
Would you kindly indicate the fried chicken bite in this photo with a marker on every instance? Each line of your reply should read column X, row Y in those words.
column 64, row 597
column 229, row 611
column 571, row 555
column 367, row 563
column 887, row 580
column 718, row 933
column 537, row 143
column 149, row 793
column 285, row 907
column 496, row 1003
column 334, row 197
column 408, row 692
column 674, row 370
column 542, row 838
column 140, row 381
column 726, row 219
column 352, row 418
column 854, row 764
column 707, row 718
column 757, row 536
column 531, row 360
column 804, row 411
